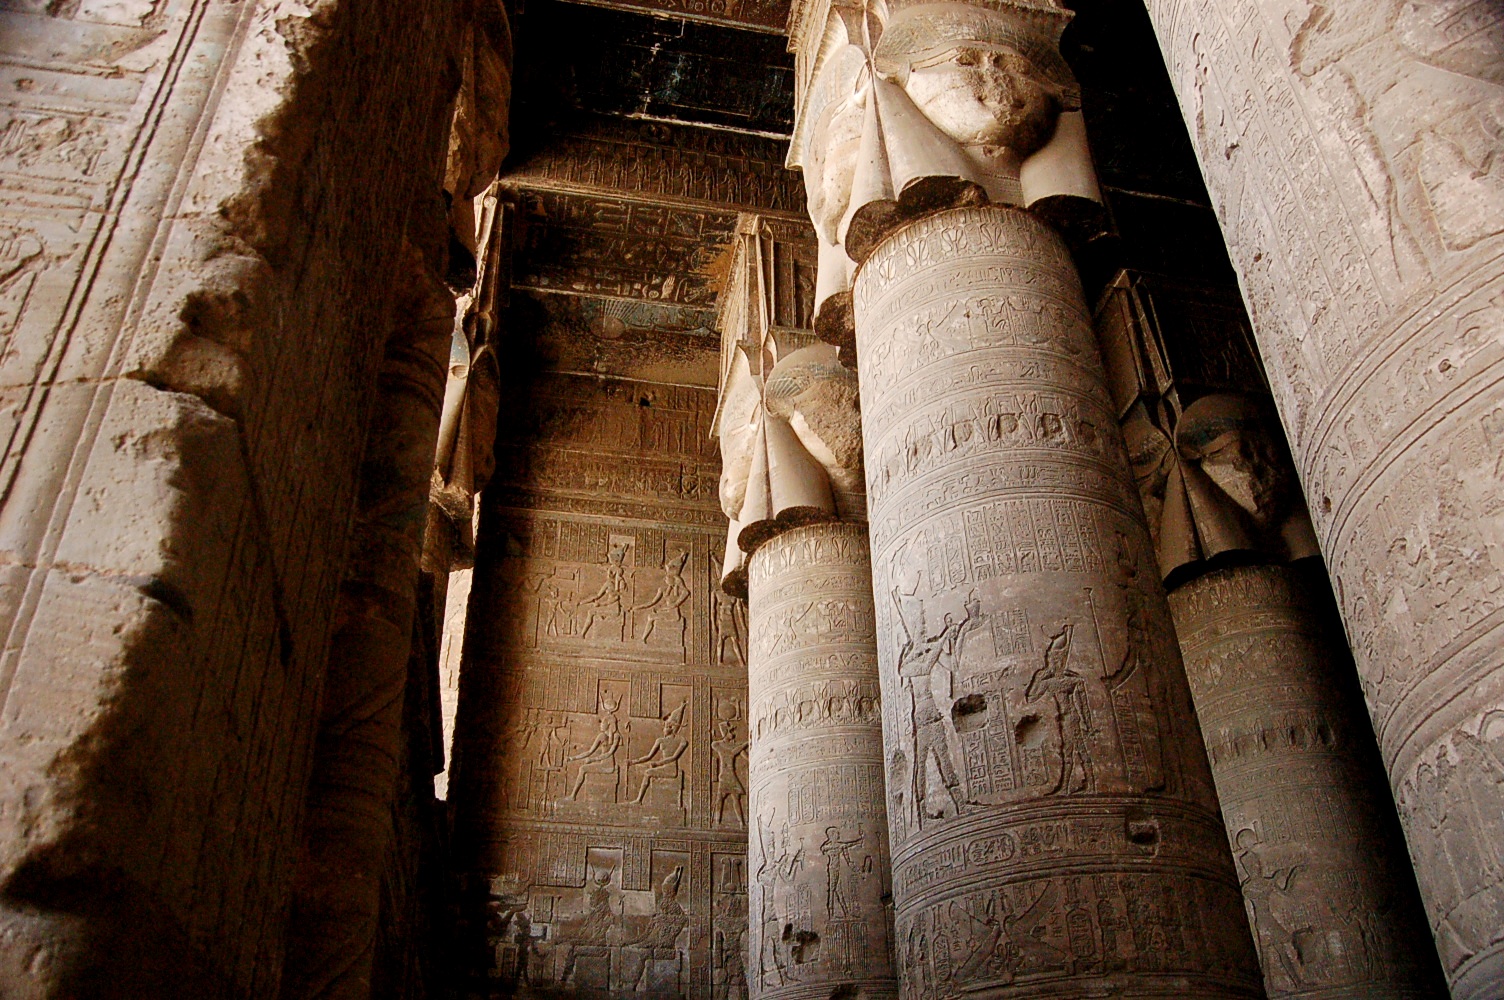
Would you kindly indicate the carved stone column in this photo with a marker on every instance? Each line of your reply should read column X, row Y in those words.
column 1349, row 148
column 1333, row 907
column 818, row 852
column 1332, row 904
column 1053, row 823
column 790, row 435
column 1054, row 830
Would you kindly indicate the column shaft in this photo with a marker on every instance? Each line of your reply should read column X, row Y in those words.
column 1330, row 897
column 1053, row 824
column 819, row 840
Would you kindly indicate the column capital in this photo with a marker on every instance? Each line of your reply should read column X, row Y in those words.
column 907, row 108
column 787, row 418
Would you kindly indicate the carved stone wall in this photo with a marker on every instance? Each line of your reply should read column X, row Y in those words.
column 1320, row 857
column 200, row 217
column 600, row 767
column 1349, row 148
column 818, row 856
column 1051, row 813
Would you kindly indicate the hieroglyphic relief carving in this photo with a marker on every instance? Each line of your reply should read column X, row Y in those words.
column 1343, row 145
column 1031, row 675
column 819, row 851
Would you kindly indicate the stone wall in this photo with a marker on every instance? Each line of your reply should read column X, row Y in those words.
column 202, row 201
column 600, row 762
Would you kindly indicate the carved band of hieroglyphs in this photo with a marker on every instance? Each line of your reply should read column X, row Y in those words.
column 969, row 429
column 819, row 850
column 1032, row 691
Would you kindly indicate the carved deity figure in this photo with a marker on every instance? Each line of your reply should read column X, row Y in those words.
column 666, row 606
column 730, row 629
column 600, row 756
column 917, row 660
column 1261, row 891
column 1067, row 690
column 662, row 759
column 838, row 865
column 609, row 603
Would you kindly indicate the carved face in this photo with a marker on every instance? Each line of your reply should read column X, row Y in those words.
column 1245, row 464
column 988, row 96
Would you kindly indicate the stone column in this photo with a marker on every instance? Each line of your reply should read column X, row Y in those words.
column 1053, row 823
column 1054, row 830
column 1333, row 906
column 1330, row 897
column 1349, row 149
column 818, row 852
column 792, row 486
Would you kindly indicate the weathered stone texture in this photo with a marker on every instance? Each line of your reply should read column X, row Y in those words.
column 194, row 310
column 1331, row 902
column 818, row 857
column 1053, row 823
column 1349, row 150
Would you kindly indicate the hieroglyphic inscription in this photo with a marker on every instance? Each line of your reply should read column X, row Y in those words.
column 1347, row 147
column 620, row 247
column 673, row 162
column 819, row 847
column 1028, row 667
column 1307, row 809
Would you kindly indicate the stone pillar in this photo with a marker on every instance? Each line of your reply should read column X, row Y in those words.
column 818, row 852
column 1333, row 906
column 1053, row 824
column 347, row 828
column 792, row 486
column 1348, row 147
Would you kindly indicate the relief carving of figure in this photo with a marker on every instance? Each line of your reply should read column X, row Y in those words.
column 610, row 602
column 918, row 658
column 1067, row 690
column 728, row 784
column 730, row 629
column 1262, row 892
column 666, row 606
column 838, row 865
column 600, row 756
column 662, row 759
